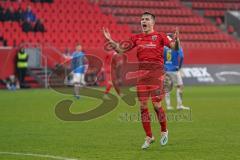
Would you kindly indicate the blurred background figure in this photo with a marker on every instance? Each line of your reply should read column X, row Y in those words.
column 112, row 65
column 107, row 69
column 28, row 14
column 173, row 60
column 27, row 26
column 39, row 27
column 19, row 15
column 22, row 66
column 11, row 83
column 9, row 14
column 78, row 69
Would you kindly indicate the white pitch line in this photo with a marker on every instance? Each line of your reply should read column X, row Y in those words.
column 38, row 155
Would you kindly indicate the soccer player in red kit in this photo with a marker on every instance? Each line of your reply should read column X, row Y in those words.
column 150, row 46
column 110, row 64
column 107, row 68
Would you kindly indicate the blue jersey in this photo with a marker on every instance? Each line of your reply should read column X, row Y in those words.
column 78, row 62
column 172, row 59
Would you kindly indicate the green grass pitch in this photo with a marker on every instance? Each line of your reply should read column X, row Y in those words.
column 28, row 124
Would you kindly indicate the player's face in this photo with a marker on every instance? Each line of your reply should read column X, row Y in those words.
column 79, row 48
column 147, row 23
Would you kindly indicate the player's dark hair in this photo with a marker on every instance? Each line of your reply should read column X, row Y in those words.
column 171, row 35
column 148, row 13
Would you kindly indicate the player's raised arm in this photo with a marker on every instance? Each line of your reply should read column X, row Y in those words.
column 176, row 43
column 115, row 45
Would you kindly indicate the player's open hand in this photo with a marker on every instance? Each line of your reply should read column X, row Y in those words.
column 107, row 34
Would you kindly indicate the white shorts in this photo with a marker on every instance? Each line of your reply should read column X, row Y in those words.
column 176, row 77
column 78, row 78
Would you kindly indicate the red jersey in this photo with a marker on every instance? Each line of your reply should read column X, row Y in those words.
column 150, row 46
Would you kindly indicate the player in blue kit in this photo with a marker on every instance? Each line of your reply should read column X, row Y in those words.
column 173, row 60
column 79, row 68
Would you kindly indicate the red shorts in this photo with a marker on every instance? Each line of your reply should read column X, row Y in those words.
column 151, row 85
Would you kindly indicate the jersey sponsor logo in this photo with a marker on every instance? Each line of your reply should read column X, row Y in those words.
column 169, row 55
column 151, row 45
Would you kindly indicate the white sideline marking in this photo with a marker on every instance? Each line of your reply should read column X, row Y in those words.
column 38, row 155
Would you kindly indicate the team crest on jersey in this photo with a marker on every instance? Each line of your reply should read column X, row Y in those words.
column 154, row 37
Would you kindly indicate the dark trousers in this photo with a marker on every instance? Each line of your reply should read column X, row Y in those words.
column 21, row 76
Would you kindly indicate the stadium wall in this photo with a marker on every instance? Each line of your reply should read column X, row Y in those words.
column 211, row 56
column 192, row 56
column 7, row 63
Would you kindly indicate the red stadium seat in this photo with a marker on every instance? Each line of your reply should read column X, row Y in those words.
column 66, row 23
column 230, row 29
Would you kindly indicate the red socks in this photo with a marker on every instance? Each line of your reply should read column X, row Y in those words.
column 146, row 122
column 109, row 86
column 161, row 118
